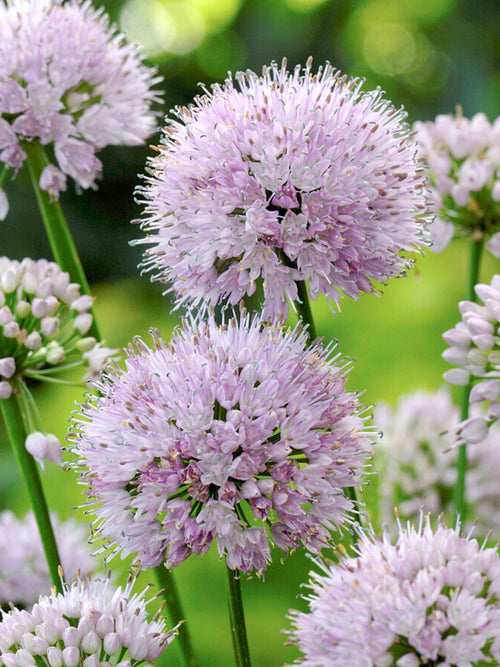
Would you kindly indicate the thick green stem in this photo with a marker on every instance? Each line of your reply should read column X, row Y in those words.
column 15, row 430
column 237, row 619
column 58, row 233
column 166, row 581
column 459, row 500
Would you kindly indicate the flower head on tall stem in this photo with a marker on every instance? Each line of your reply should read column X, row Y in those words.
column 90, row 623
column 24, row 575
column 279, row 178
column 70, row 81
column 237, row 433
column 433, row 597
column 463, row 159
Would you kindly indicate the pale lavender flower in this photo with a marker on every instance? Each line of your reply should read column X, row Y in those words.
column 474, row 348
column 281, row 178
column 229, row 432
column 43, row 322
column 70, row 81
column 417, row 458
column 44, row 447
column 90, row 624
column 430, row 598
column 463, row 159
column 24, row 574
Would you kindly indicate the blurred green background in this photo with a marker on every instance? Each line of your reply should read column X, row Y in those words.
column 429, row 55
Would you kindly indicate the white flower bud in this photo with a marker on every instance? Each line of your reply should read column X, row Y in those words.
column 138, row 648
column 49, row 326
column 83, row 322
column 457, row 376
column 44, row 447
column 11, row 330
column 9, row 280
column 71, row 656
column 6, row 315
column 33, row 341
column 83, row 303
column 55, row 657
column 4, row 205
column 55, row 353
column 111, row 643
column 91, row 643
column 23, row 309
column 45, row 288
column 86, row 344
column 473, row 430
column 104, row 625
column 39, row 307
column 7, row 367
column 5, row 390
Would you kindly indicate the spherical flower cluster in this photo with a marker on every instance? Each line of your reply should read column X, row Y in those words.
column 432, row 598
column 474, row 347
column 281, row 178
column 418, row 462
column 43, row 322
column 89, row 624
column 24, row 574
column 70, row 81
column 463, row 158
column 229, row 431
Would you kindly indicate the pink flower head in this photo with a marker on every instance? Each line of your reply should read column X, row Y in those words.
column 463, row 160
column 433, row 597
column 229, row 431
column 90, row 623
column 280, row 178
column 70, row 81
column 24, row 574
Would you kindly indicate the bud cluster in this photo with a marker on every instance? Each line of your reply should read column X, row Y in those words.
column 463, row 157
column 43, row 323
column 89, row 624
column 475, row 349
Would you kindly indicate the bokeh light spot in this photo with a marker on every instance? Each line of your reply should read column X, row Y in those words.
column 389, row 48
column 163, row 27
column 220, row 54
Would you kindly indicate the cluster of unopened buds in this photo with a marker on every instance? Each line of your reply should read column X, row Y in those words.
column 475, row 349
column 89, row 624
column 43, row 324
column 463, row 157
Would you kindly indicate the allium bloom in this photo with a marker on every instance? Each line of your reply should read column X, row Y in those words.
column 463, row 158
column 283, row 177
column 90, row 624
column 430, row 598
column 24, row 574
column 69, row 80
column 418, row 462
column 43, row 322
column 228, row 431
column 474, row 348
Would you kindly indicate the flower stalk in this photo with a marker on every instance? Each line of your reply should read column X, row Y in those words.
column 237, row 619
column 58, row 233
column 166, row 580
column 476, row 248
column 12, row 416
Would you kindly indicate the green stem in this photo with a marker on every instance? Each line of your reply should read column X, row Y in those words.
column 304, row 309
column 3, row 174
column 237, row 619
column 166, row 581
column 14, row 425
column 459, row 500
column 58, row 233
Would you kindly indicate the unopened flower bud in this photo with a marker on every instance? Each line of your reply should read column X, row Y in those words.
column 86, row 344
column 49, row 326
column 33, row 341
column 55, row 353
column 7, row 367
column 5, row 390
column 11, row 330
column 83, row 322
column 83, row 303
column 8, row 281
column 23, row 309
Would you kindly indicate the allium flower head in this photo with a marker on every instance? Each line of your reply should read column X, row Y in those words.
column 474, row 348
column 463, row 158
column 69, row 80
column 432, row 598
column 24, row 574
column 43, row 322
column 227, row 432
column 89, row 624
column 418, row 459
column 281, row 178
